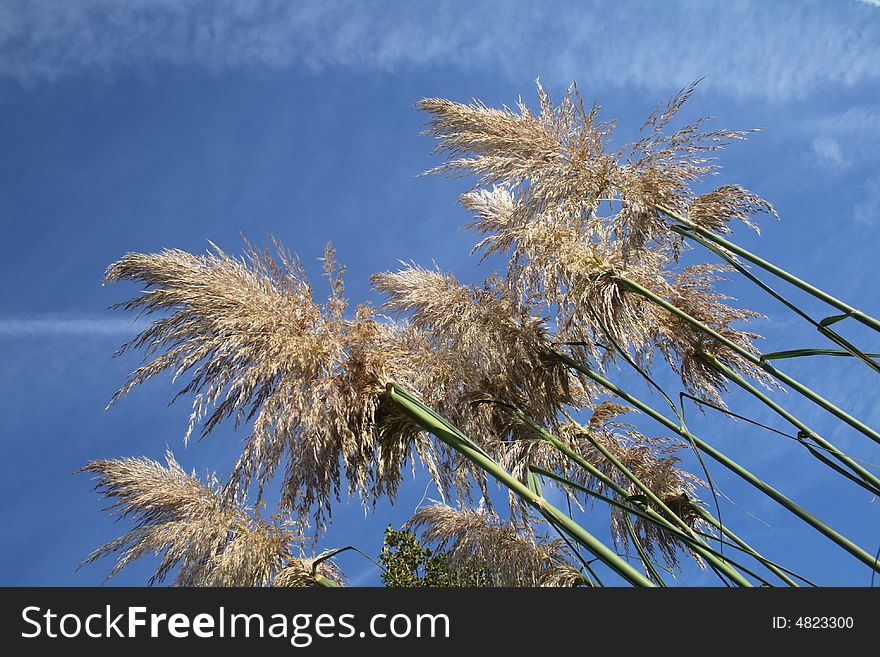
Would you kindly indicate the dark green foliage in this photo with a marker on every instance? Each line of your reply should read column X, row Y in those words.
column 408, row 564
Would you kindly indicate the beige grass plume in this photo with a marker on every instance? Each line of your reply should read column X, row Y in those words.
column 559, row 161
column 577, row 221
column 684, row 345
column 258, row 349
column 487, row 345
column 508, row 552
column 583, row 275
column 210, row 539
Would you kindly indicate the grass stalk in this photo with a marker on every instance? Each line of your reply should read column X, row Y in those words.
column 650, row 515
column 845, row 308
column 708, row 517
column 668, row 521
column 728, row 463
column 650, row 571
column 755, row 360
column 534, row 483
column 647, row 514
column 836, row 338
column 870, row 482
column 446, row 432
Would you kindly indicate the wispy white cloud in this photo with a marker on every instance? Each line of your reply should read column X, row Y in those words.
column 873, row 3
column 847, row 142
column 828, row 153
column 67, row 326
column 867, row 211
column 748, row 49
column 859, row 122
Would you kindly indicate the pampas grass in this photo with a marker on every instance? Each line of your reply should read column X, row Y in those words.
column 468, row 380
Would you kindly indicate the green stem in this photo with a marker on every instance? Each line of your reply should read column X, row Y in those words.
column 873, row 483
column 677, row 411
column 323, row 581
column 646, row 561
column 858, row 315
column 430, row 421
column 755, row 360
column 868, row 359
column 534, row 484
column 669, row 521
column 708, row 517
column 649, row 515
column 728, row 463
column 723, row 566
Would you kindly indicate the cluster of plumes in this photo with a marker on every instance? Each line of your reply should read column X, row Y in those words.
column 309, row 379
column 257, row 347
column 652, row 460
column 579, row 222
column 508, row 552
column 209, row 539
column 560, row 162
column 482, row 347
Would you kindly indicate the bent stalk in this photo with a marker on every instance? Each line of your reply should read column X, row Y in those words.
column 755, row 360
column 845, row 308
column 430, row 421
column 870, row 482
column 730, row 464
column 835, row 337
column 708, row 517
column 656, row 517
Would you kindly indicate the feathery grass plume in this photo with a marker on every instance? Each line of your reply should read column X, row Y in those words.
column 509, row 552
column 235, row 324
column 257, row 347
column 385, row 351
column 487, row 346
column 559, row 163
column 560, row 152
column 584, row 280
column 573, row 273
column 652, row 460
column 563, row 253
column 498, row 214
column 682, row 344
column 713, row 211
column 301, row 573
column 659, row 169
column 556, row 162
column 211, row 539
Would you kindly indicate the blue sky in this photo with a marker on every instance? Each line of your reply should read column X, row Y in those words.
column 151, row 123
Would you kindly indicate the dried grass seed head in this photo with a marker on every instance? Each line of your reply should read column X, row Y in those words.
column 488, row 345
column 210, row 539
column 553, row 230
column 559, row 161
column 509, row 553
column 713, row 211
column 257, row 347
column 685, row 346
